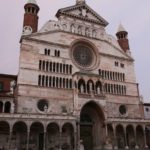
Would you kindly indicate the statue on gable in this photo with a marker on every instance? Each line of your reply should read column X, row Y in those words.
column 80, row 2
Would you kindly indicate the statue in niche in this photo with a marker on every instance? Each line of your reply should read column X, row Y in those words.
column 79, row 30
column 82, row 88
column 87, row 32
column 94, row 34
column 98, row 90
column 72, row 29
column 90, row 87
column 64, row 27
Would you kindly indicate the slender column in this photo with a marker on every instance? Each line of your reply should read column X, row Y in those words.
column 145, row 141
column 126, row 145
column 75, row 140
column 28, row 137
column 78, row 134
column 60, row 135
column 135, row 135
column 115, row 138
column 10, row 135
column 44, row 141
column 106, row 129
column 3, row 107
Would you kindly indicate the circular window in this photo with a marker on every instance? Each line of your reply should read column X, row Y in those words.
column 122, row 109
column 84, row 56
column 42, row 105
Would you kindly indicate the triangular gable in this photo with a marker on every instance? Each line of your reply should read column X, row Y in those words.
column 82, row 12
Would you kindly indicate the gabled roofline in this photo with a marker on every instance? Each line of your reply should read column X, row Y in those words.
column 64, row 11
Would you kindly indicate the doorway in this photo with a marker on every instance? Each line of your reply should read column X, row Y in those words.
column 92, row 129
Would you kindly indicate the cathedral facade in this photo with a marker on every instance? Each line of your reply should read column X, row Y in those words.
column 76, row 86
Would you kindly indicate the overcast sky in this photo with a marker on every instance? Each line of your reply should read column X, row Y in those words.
column 133, row 14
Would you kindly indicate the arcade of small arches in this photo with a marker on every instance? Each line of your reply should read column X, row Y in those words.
column 129, row 136
column 78, row 29
column 5, row 106
column 38, row 135
column 89, row 87
column 55, row 67
column 54, row 82
column 31, row 10
column 97, row 87
column 109, row 75
column 115, row 89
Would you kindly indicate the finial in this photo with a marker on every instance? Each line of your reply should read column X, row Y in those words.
column 80, row 2
column 121, row 28
column 32, row 2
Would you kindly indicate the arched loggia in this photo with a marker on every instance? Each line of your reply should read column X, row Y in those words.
column 92, row 128
column 4, row 134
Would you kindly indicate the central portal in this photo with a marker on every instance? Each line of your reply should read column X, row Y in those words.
column 92, row 129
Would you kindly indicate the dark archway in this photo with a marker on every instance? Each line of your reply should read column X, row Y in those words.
column 19, row 137
column 111, row 134
column 53, row 136
column 140, row 136
column 68, row 137
column 36, row 136
column 7, row 107
column 130, row 137
column 92, row 128
column 120, row 135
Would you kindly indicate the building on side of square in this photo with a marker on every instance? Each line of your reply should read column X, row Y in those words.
column 75, row 82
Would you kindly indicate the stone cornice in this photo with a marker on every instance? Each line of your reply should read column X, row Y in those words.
column 128, row 120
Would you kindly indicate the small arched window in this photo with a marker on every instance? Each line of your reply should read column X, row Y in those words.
column 39, row 80
column 7, row 107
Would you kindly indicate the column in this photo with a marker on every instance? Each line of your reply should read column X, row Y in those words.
column 10, row 136
column 125, row 135
column 146, row 146
column 78, row 134
column 136, row 146
column 60, row 135
column 75, row 140
column 28, row 138
column 115, row 138
column 106, row 129
column 44, row 140
column 3, row 107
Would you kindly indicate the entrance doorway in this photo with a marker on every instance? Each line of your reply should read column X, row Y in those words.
column 92, row 129
column 86, row 136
